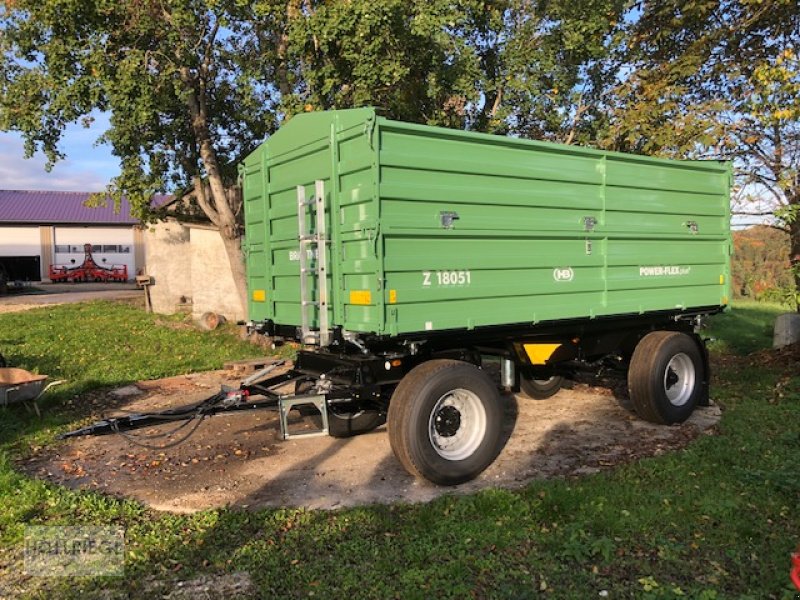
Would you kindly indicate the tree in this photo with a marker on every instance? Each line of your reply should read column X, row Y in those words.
column 557, row 67
column 176, row 77
column 394, row 54
column 758, row 266
column 529, row 68
column 766, row 130
column 720, row 78
column 191, row 87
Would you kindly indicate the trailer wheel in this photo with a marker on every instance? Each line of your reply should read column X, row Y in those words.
column 540, row 389
column 665, row 377
column 445, row 421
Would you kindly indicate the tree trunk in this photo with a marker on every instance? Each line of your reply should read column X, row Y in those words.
column 233, row 247
column 282, row 72
column 794, row 256
column 216, row 204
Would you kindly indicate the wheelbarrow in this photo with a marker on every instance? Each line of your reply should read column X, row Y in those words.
column 19, row 385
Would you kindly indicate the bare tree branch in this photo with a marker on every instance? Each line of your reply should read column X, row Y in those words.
column 767, row 213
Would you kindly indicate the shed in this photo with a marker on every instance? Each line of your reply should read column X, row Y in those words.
column 43, row 228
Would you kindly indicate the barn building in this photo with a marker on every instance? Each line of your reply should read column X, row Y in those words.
column 43, row 228
column 186, row 261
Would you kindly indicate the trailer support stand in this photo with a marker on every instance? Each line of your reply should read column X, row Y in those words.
column 287, row 403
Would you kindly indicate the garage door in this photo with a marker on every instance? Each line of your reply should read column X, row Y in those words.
column 21, row 268
column 20, row 253
column 111, row 246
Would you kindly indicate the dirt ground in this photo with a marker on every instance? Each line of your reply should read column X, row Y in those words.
column 238, row 459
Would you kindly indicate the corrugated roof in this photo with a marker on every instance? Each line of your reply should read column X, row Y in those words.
column 29, row 206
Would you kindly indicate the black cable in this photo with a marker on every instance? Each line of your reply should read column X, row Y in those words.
column 132, row 439
column 181, row 410
column 155, row 436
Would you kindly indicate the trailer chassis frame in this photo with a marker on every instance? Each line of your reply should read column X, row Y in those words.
column 349, row 376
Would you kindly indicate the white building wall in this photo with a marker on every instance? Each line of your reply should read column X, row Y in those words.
column 169, row 264
column 190, row 267
column 20, row 241
column 212, row 280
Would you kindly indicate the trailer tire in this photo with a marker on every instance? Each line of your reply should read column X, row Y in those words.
column 665, row 378
column 540, row 389
column 445, row 421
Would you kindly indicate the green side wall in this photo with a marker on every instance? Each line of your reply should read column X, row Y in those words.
column 519, row 250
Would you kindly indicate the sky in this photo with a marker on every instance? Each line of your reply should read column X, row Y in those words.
column 86, row 168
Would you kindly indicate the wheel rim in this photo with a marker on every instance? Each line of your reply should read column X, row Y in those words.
column 457, row 424
column 679, row 378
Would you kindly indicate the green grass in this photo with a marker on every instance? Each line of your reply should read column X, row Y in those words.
column 747, row 327
column 102, row 345
column 716, row 520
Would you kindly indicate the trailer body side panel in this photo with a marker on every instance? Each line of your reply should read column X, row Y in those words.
column 434, row 229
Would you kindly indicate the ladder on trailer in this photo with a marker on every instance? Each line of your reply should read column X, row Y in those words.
column 313, row 245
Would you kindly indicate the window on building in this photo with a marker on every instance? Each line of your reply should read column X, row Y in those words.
column 104, row 248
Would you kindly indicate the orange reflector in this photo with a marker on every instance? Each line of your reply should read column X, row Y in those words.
column 259, row 295
column 392, row 296
column 721, row 279
column 397, row 363
column 360, row 297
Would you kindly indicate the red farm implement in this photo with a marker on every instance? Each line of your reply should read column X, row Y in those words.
column 795, row 572
column 89, row 270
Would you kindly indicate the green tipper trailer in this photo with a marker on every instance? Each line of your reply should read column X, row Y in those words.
column 405, row 253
